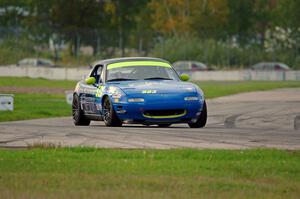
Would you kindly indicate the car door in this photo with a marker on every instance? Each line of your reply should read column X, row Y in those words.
column 90, row 91
column 97, row 102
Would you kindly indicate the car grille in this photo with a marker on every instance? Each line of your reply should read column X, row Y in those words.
column 169, row 113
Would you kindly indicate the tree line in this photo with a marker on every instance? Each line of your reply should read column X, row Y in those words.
column 157, row 26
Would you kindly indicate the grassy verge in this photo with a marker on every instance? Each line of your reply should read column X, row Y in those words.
column 31, row 106
column 180, row 173
column 41, row 105
column 36, row 105
column 214, row 89
column 36, row 83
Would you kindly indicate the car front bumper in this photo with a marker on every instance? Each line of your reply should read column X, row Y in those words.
column 135, row 112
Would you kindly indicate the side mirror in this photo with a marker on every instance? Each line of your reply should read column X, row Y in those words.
column 90, row 80
column 184, row 77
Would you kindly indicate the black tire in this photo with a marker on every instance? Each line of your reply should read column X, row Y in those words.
column 164, row 125
column 201, row 122
column 78, row 116
column 110, row 117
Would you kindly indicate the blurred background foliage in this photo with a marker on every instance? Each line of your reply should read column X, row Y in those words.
column 221, row 33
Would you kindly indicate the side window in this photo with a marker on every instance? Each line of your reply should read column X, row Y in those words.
column 194, row 67
column 40, row 62
column 22, row 62
column 33, row 62
column 277, row 67
column 183, row 66
column 97, row 73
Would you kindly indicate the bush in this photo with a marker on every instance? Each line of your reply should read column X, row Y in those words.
column 12, row 50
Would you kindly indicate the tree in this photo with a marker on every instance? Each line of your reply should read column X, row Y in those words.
column 209, row 17
column 241, row 20
column 184, row 17
column 12, row 12
column 125, row 18
column 287, row 14
column 170, row 17
column 263, row 19
column 74, row 18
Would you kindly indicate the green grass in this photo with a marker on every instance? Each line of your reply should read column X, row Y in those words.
column 36, row 105
column 31, row 106
column 40, row 105
column 214, row 89
column 28, row 82
column 180, row 173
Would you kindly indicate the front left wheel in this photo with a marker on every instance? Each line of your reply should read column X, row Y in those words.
column 78, row 116
column 110, row 117
column 201, row 121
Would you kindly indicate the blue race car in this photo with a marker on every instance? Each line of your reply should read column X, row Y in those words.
column 138, row 90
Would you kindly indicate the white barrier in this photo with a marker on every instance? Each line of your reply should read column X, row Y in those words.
column 69, row 96
column 246, row 75
column 6, row 102
column 77, row 74
column 47, row 73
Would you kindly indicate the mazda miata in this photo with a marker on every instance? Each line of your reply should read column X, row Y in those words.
column 138, row 90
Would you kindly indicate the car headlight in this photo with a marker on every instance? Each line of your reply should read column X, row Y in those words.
column 191, row 98
column 199, row 90
column 200, row 93
column 136, row 100
column 117, row 94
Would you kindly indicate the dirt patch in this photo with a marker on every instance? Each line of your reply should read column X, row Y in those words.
column 13, row 89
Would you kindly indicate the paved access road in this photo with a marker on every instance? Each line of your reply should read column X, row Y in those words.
column 256, row 119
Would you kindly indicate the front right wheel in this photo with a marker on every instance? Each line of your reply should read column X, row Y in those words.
column 201, row 121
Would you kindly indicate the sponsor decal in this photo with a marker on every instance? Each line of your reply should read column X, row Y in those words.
column 99, row 91
column 149, row 91
column 138, row 63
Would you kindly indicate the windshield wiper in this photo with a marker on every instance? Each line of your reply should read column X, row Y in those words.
column 120, row 79
column 158, row 78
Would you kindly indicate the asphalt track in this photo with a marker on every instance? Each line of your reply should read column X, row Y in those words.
column 257, row 119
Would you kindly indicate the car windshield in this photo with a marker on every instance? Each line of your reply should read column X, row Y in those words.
column 141, row 73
